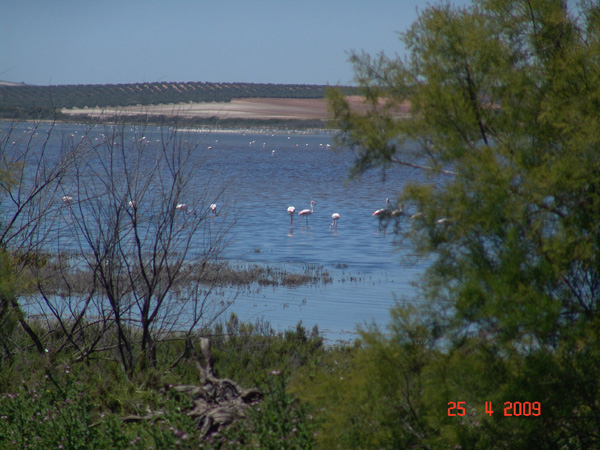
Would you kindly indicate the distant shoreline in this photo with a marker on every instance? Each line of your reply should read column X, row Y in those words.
column 247, row 108
column 239, row 113
column 195, row 125
column 243, row 108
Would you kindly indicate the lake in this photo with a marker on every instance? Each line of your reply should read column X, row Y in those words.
column 264, row 172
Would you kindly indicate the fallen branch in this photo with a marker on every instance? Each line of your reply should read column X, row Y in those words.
column 219, row 401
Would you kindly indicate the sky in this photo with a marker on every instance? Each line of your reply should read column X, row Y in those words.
column 252, row 41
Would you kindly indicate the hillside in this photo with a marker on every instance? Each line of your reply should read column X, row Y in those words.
column 28, row 97
column 66, row 102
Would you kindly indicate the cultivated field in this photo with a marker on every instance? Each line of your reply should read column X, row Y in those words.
column 248, row 108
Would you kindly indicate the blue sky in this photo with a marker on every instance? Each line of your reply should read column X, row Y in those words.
column 261, row 41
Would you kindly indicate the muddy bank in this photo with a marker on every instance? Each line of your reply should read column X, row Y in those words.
column 56, row 279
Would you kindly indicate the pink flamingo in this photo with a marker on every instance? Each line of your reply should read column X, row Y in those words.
column 291, row 210
column 383, row 214
column 308, row 212
column 335, row 217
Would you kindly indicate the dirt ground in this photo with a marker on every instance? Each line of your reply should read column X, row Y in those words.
column 248, row 108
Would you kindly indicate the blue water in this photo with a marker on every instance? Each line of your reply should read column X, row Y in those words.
column 261, row 173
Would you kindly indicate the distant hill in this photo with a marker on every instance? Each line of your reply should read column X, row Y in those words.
column 24, row 98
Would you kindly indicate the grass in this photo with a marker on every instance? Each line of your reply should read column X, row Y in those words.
column 48, row 401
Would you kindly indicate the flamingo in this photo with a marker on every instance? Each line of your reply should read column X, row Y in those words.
column 308, row 212
column 291, row 210
column 335, row 217
column 67, row 199
column 383, row 214
column 397, row 213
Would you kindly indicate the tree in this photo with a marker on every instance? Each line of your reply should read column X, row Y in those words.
column 97, row 248
column 505, row 108
column 143, row 227
column 30, row 178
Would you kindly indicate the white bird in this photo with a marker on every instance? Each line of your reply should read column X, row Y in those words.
column 308, row 212
column 213, row 208
column 385, row 210
column 181, row 207
column 67, row 199
column 335, row 217
column 291, row 210
column 397, row 213
column 383, row 214
column 132, row 204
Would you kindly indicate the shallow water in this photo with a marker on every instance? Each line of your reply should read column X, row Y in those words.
column 265, row 172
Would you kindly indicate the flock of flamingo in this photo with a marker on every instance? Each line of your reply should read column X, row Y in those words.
column 383, row 214
column 387, row 213
column 307, row 212
column 67, row 200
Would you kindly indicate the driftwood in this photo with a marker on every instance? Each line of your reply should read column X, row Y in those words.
column 217, row 402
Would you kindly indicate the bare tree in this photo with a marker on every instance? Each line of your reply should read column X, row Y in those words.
column 34, row 159
column 112, row 225
column 143, row 226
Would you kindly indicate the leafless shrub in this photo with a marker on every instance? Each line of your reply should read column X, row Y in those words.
column 107, row 226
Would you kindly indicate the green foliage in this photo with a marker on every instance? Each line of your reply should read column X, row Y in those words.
column 376, row 396
column 279, row 422
column 59, row 412
column 47, row 415
column 504, row 120
column 48, row 401
column 8, row 313
column 249, row 352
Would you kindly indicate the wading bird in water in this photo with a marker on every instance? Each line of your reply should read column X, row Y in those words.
column 397, row 214
column 308, row 212
column 67, row 200
column 291, row 210
column 383, row 214
column 213, row 208
column 335, row 217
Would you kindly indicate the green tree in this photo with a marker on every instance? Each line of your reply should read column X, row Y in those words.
column 504, row 117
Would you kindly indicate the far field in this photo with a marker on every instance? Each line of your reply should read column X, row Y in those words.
column 246, row 108
column 189, row 101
